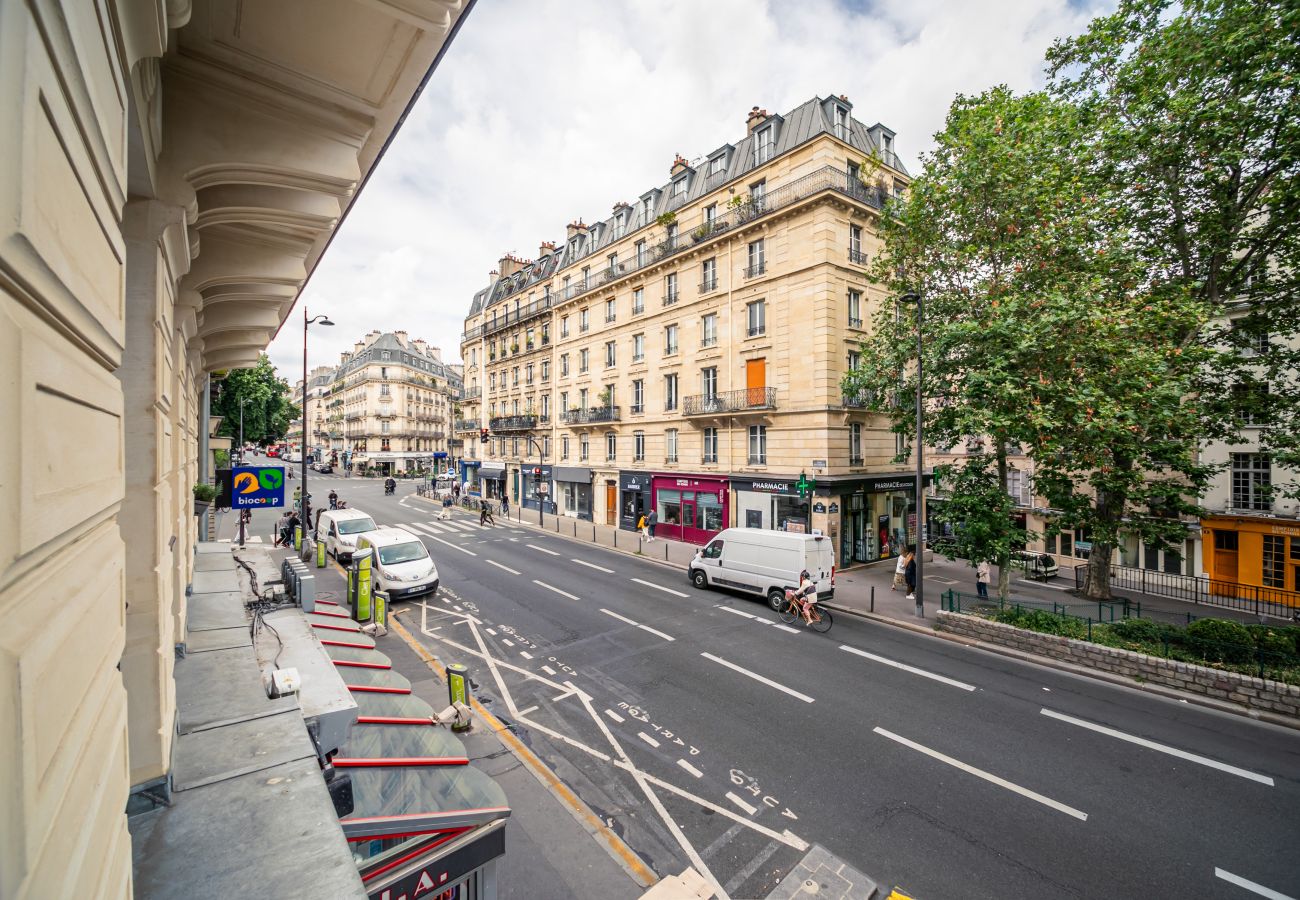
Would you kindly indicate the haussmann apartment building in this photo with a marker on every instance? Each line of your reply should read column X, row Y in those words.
column 685, row 353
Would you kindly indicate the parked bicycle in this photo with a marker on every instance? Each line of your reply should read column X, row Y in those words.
column 812, row 614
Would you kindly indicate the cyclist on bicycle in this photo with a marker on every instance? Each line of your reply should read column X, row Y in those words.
column 806, row 594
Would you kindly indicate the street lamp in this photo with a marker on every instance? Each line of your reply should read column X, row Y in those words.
column 242, row 401
column 317, row 320
column 913, row 297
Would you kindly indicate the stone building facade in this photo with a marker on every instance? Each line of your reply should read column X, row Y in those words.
column 685, row 353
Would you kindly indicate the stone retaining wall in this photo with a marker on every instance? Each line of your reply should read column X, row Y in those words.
column 1253, row 693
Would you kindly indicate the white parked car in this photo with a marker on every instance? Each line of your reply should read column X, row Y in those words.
column 339, row 529
column 401, row 565
column 765, row 563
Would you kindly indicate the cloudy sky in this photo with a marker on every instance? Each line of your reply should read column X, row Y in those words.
column 546, row 111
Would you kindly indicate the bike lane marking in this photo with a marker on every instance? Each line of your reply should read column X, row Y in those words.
column 906, row 668
column 754, row 675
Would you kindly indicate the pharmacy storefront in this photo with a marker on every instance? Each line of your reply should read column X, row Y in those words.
column 771, row 503
column 877, row 516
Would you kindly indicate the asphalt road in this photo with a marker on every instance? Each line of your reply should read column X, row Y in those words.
column 709, row 735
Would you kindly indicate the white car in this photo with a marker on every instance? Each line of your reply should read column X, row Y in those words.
column 339, row 529
column 401, row 566
column 765, row 563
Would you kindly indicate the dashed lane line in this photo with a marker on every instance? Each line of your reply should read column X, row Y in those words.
column 548, row 670
column 749, row 808
column 550, row 587
column 613, row 715
column 657, row 587
column 690, row 768
column 649, row 740
column 656, row 632
column 759, row 678
column 542, row 549
column 906, row 668
column 1249, row 885
column 493, row 562
column 582, row 562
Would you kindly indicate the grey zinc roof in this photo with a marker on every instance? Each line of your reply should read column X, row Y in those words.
column 388, row 341
column 797, row 127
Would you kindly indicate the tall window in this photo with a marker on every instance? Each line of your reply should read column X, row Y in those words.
column 638, row 395
column 564, row 446
column 528, row 374
column 564, row 401
column 670, row 340
column 647, row 208
column 1019, row 487
column 584, row 319
column 564, row 326
column 564, row 365
column 670, row 445
column 610, row 310
column 758, row 445
column 514, row 446
column 764, row 144
column 638, row 446
column 710, row 445
column 546, row 406
column 679, row 188
column 757, row 317
column 584, row 448
column 709, row 331
column 841, row 123
column 709, row 382
column 584, row 358
column 514, row 376
column 757, row 263
column 611, row 445
column 546, row 445
column 757, row 196
column 670, row 288
column 638, row 301
column 611, row 356
column 716, row 165
column 854, row 360
column 638, row 347
column 1251, row 481
column 855, row 309
column 1274, row 561
column 582, row 399
column 641, row 258
column 855, row 244
column 546, row 370
column 670, row 392
column 612, row 260
column 709, row 275
column 855, row 444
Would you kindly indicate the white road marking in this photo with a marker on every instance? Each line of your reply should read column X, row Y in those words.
column 592, row 566
column 493, row 562
column 657, row 633
column 507, row 642
column 613, row 715
column 524, row 712
column 451, row 545
column 525, row 654
column 555, row 589
column 987, row 776
column 548, row 670
column 690, row 768
column 785, row 628
column 736, row 612
column 492, row 631
column 659, row 587
column 943, row 580
column 649, row 740
column 906, row 668
column 1162, row 748
column 542, row 549
column 1249, row 885
column 617, row 616
column 754, row 675
column 457, row 608
column 749, row 808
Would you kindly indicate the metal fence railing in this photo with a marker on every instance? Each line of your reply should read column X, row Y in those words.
column 1200, row 590
column 1260, row 650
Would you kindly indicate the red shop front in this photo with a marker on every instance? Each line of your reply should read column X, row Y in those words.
column 689, row 508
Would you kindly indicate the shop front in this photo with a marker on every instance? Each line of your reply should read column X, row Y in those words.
column 877, row 517
column 1253, row 556
column 690, row 508
column 492, row 479
column 469, row 477
column 634, row 498
column 537, row 489
column 573, row 491
column 771, row 503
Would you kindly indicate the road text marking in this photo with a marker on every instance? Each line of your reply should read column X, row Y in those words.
column 987, row 776
column 754, row 675
column 659, row 587
column 1163, row 748
column 1250, row 885
column 906, row 668
column 555, row 589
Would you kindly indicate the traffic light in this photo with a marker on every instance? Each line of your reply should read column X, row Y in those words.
column 537, row 470
column 482, row 435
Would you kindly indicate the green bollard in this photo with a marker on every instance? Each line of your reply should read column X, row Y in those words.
column 320, row 554
column 297, row 537
column 381, row 609
column 458, row 689
column 364, row 610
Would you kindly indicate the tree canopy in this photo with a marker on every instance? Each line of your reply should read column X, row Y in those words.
column 265, row 396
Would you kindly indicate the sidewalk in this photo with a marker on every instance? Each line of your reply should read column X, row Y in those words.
column 853, row 587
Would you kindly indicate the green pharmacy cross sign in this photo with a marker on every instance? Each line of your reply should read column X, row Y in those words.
column 804, row 486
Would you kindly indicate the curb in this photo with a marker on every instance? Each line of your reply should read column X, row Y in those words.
column 624, row 855
column 1048, row 662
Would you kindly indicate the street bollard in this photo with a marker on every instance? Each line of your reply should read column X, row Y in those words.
column 381, row 609
column 297, row 537
column 458, row 689
column 320, row 554
column 873, row 598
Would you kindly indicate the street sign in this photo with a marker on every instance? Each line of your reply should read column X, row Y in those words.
column 254, row 487
column 543, row 488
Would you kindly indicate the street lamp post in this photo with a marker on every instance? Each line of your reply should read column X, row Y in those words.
column 541, row 498
column 913, row 297
column 305, row 506
column 242, row 401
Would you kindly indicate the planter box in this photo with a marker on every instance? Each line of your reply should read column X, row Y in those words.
column 201, row 506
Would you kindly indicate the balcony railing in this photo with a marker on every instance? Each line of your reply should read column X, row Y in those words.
column 708, row 284
column 670, row 298
column 513, row 423
column 857, row 257
column 855, row 322
column 470, row 393
column 755, row 270
column 730, row 402
column 508, row 318
column 860, row 400
column 591, row 416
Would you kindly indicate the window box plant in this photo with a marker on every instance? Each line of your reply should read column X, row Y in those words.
column 204, row 494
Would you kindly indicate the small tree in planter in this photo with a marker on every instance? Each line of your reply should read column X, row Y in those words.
column 701, row 233
column 204, row 494
column 604, row 398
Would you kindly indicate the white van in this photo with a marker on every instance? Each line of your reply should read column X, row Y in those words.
column 763, row 562
column 401, row 565
column 338, row 530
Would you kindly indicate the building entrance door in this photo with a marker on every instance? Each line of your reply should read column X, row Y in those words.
column 611, row 503
column 1224, row 582
column 755, row 382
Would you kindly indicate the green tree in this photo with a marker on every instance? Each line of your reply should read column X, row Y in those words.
column 267, row 410
column 978, row 511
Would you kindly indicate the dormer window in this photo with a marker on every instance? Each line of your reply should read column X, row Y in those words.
column 647, row 208
column 717, row 165
column 886, row 143
column 679, row 188
column 841, row 123
column 764, row 144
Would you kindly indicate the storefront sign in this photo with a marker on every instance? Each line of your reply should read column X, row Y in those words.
column 634, row 481
column 707, row 484
column 441, row 869
column 573, row 474
column 819, row 463
column 763, row 487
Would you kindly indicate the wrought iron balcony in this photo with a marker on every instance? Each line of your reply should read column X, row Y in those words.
column 592, row 416
column 860, row 400
column 731, row 402
column 513, row 423
column 755, row 270
column 857, row 256
column 709, row 284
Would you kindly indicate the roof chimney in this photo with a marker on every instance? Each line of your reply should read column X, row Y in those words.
column 545, row 248
column 509, row 265
column 575, row 228
column 756, row 118
column 401, row 337
column 679, row 164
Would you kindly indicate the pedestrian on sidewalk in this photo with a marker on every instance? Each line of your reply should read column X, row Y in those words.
column 641, row 527
column 505, row 506
column 900, row 573
column 281, row 529
column 982, row 579
column 910, row 572
column 650, row 522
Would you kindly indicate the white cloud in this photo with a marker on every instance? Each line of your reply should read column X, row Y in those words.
column 545, row 111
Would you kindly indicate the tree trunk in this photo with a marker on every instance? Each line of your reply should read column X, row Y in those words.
column 1004, row 567
column 1097, row 585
